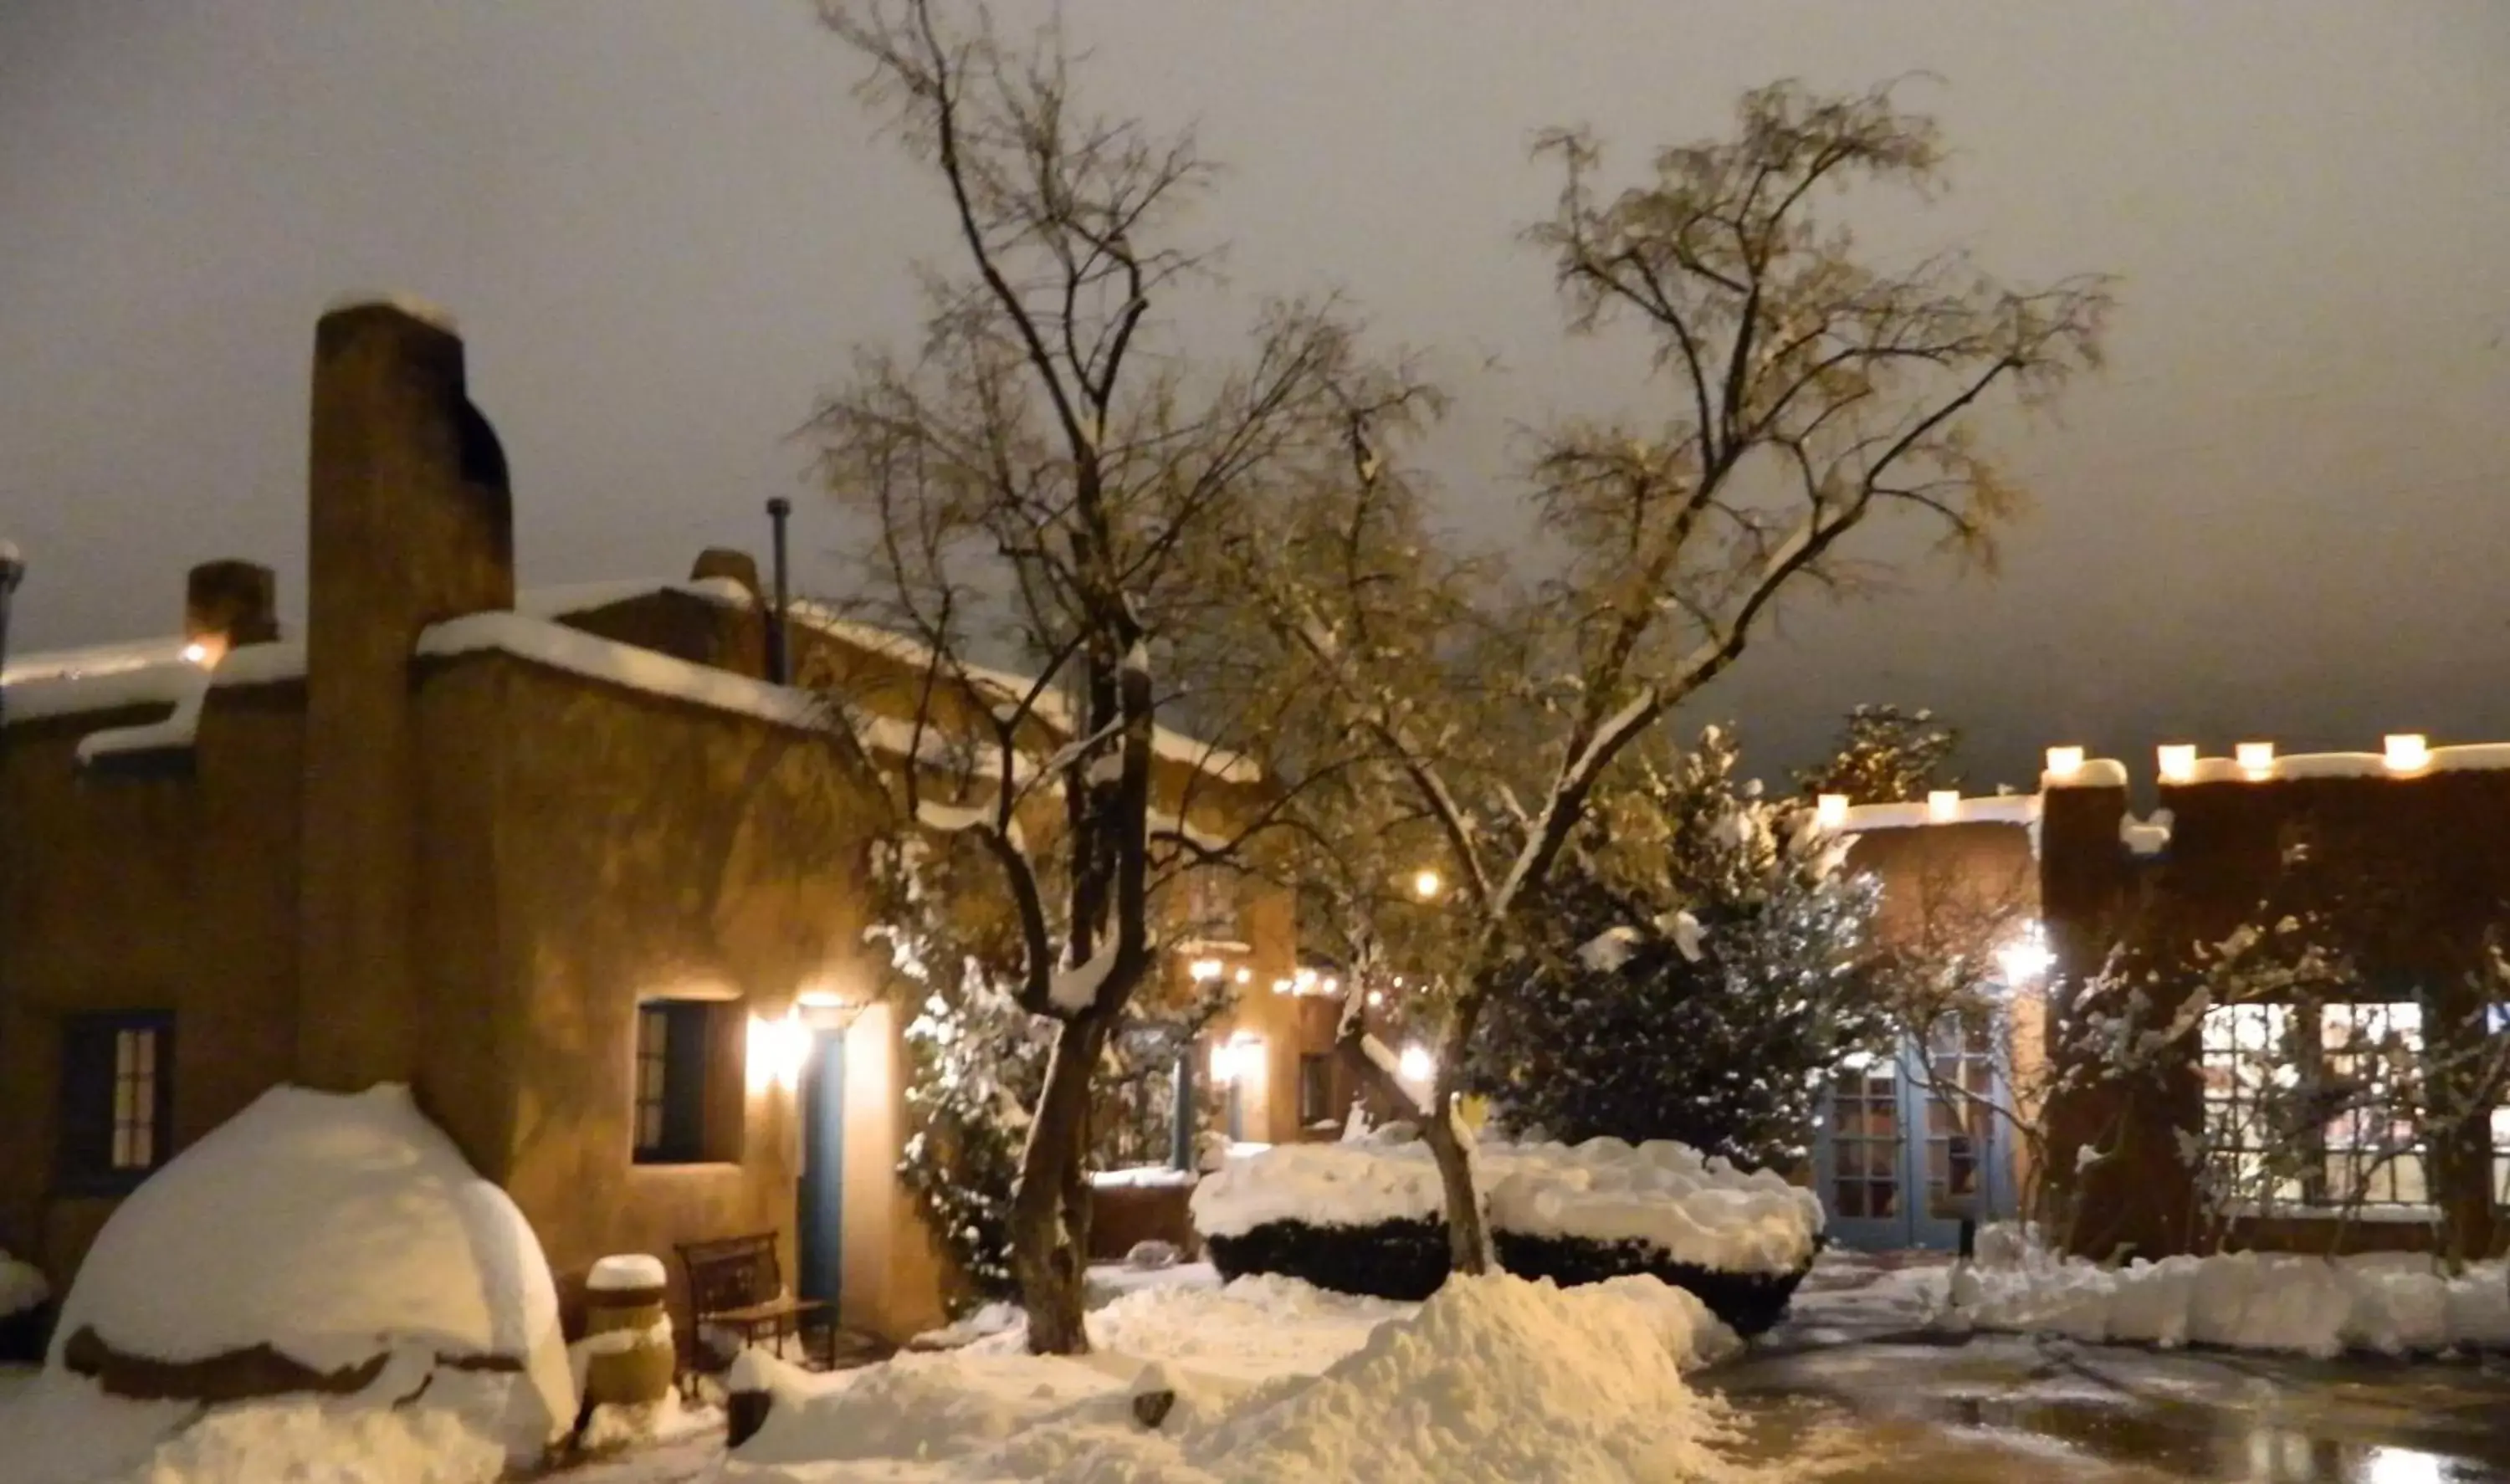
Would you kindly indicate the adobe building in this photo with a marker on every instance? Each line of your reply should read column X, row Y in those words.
column 2124, row 1147
column 567, row 863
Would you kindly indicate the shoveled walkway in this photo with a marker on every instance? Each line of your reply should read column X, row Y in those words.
column 1856, row 1386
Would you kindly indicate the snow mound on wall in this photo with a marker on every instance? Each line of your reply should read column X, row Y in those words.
column 2384, row 1304
column 1696, row 1210
column 1494, row 1379
column 22, row 1287
column 339, row 1231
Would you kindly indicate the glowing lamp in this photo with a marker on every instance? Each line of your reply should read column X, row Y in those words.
column 2026, row 958
column 196, row 653
column 1830, row 811
column 2178, row 761
column 1238, row 1059
column 2406, row 751
column 1943, row 805
column 1204, row 971
column 1415, row 1065
column 1246, row 976
column 778, row 1049
column 1282, row 986
column 1426, row 884
column 1376, row 997
column 1333, row 986
column 2255, row 760
column 2064, row 763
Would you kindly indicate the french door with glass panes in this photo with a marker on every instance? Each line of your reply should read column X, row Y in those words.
column 1911, row 1142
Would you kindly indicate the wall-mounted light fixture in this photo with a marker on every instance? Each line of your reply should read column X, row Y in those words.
column 1830, row 811
column 2178, row 761
column 2255, row 760
column 2406, row 751
column 2065, row 763
column 1943, row 805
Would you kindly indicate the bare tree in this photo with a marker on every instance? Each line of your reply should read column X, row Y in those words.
column 1046, row 475
column 1813, row 392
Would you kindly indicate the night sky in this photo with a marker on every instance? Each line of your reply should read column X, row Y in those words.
column 2284, row 512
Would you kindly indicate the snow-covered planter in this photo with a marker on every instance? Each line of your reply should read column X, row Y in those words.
column 327, row 1246
column 1367, row 1217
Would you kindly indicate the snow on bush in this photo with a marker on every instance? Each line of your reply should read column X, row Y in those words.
column 1702, row 1213
column 339, row 1231
column 22, row 1287
column 2385, row 1303
column 1494, row 1379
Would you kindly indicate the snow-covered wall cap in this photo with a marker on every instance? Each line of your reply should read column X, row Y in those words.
column 584, row 597
column 409, row 304
column 1990, row 809
column 2467, row 757
column 2091, row 773
column 2146, row 837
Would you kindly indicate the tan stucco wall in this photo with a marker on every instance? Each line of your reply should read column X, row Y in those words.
column 642, row 848
column 144, row 894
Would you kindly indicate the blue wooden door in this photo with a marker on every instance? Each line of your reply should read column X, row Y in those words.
column 819, row 1238
column 1909, row 1142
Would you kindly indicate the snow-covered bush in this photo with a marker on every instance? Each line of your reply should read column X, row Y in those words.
column 1885, row 755
column 330, row 1243
column 1705, row 966
column 1367, row 1217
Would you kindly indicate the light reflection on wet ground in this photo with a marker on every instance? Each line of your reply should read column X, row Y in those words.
column 1834, row 1398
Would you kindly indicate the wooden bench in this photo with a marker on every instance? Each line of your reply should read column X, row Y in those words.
column 736, row 1288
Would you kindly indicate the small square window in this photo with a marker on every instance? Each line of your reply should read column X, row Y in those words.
column 117, row 1100
column 675, row 1058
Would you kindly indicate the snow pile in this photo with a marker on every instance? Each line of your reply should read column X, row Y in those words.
column 342, row 1232
column 627, row 1272
column 2384, row 1304
column 1496, row 1379
column 1696, row 1210
column 22, row 1287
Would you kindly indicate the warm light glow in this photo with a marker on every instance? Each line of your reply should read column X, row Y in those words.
column 1376, row 997
column 1283, row 987
column 2255, row 760
column 1238, row 1059
column 778, row 1049
column 1426, row 884
column 1830, row 811
column 2065, row 762
column 1246, row 976
column 1415, row 1065
column 2026, row 957
column 196, row 653
column 2406, row 751
column 821, row 999
column 1943, row 805
column 1204, row 971
column 2178, row 761
column 1333, row 986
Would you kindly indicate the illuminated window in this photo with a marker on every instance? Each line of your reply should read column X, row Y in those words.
column 2296, row 1119
column 2249, row 1072
column 677, row 1048
column 117, row 1099
column 2373, row 1151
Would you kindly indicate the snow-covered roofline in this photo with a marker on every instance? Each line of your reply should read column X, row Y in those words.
column 1050, row 705
column 2409, row 758
column 1989, row 809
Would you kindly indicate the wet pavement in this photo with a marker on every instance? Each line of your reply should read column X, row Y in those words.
column 1856, row 1387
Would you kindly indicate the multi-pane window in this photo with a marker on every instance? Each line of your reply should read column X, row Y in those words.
column 2248, row 1070
column 2374, row 1153
column 2313, row 1106
column 1865, row 1140
column 671, row 1062
column 117, row 1099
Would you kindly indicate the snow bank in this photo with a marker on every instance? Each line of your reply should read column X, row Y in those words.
column 22, row 1286
column 2385, row 1303
column 343, row 1232
column 1496, row 1379
column 1136, row 1177
column 1703, row 1212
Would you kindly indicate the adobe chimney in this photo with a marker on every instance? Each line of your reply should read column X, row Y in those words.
column 229, row 605
column 410, row 524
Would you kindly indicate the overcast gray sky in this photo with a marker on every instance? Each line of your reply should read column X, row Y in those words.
column 2285, row 512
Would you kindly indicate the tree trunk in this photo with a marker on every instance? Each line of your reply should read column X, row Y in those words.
column 1469, row 1240
column 1050, row 1212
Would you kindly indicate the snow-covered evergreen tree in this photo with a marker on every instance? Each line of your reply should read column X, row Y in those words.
column 1887, row 756
column 1707, row 964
